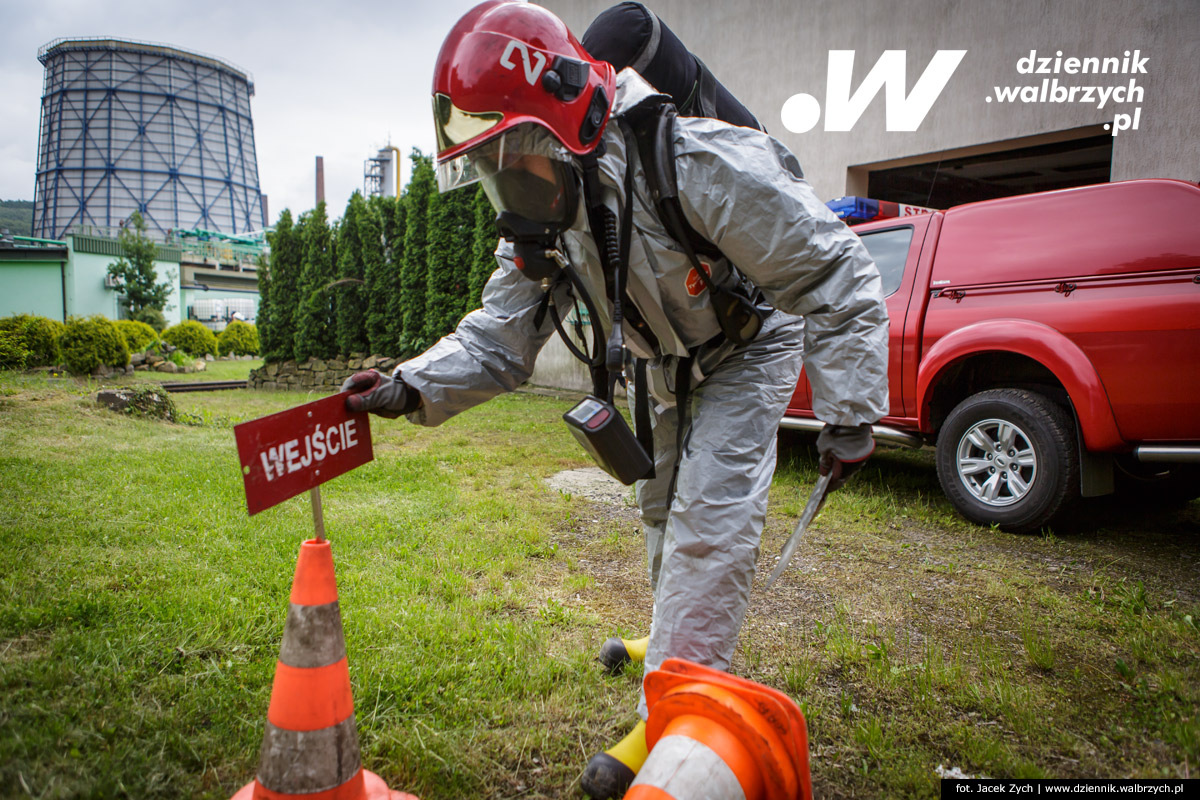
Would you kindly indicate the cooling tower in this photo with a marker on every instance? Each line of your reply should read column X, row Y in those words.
column 135, row 126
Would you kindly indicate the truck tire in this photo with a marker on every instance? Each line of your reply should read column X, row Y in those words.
column 1008, row 457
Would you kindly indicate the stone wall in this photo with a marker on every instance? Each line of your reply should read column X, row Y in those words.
column 316, row 373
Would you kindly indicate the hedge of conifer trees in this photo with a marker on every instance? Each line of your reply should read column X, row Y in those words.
column 390, row 277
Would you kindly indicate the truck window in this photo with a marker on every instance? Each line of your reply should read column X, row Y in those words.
column 890, row 250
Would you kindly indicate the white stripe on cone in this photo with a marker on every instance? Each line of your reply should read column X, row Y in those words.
column 689, row 770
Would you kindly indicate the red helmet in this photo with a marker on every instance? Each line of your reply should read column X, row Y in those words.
column 513, row 67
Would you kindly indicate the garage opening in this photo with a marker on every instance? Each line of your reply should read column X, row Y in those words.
column 968, row 175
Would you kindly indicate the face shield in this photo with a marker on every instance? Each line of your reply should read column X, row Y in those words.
column 525, row 171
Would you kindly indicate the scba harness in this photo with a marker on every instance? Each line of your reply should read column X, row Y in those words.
column 648, row 130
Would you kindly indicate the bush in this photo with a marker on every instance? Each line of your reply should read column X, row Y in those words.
column 138, row 335
column 13, row 353
column 181, row 360
column 239, row 339
column 38, row 336
column 89, row 342
column 192, row 338
column 152, row 317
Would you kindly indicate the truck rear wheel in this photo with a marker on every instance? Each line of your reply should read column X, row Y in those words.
column 1008, row 457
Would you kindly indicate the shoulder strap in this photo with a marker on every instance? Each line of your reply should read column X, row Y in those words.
column 655, row 131
column 739, row 317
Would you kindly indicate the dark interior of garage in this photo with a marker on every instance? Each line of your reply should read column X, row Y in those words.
column 941, row 183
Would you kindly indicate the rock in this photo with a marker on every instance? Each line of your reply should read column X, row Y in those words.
column 166, row 366
column 116, row 399
column 272, row 370
column 147, row 401
column 129, row 369
column 592, row 483
column 153, row 359
column 141, row 367
column 137, row 358
column 336, row 364
column 318, row 366
column 101, row 371
column 370, row 362
column 208, row 357
column 200, row 366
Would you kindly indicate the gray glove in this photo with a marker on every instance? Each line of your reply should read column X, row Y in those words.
column 380, row 394
column 844, row 450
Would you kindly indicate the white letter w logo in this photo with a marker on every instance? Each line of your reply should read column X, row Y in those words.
column 801, row 111
column 532, row 70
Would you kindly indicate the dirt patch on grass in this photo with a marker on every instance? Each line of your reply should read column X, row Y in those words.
column 913, row 640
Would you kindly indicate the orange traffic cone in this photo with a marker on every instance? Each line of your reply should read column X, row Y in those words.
column 711, row 734
column 310, row 746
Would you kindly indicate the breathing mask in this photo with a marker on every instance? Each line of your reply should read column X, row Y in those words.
column 529, row 178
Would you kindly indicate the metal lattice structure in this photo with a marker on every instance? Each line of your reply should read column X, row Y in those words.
column 135, row 126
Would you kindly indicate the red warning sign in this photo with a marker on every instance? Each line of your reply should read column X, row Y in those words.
column 290, row 452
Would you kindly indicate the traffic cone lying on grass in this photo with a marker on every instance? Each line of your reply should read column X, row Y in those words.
column 714, row 735
column 310, row 746
column 615, row 653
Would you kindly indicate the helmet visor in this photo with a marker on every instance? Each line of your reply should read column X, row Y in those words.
column 454, row 126
column 524, row 170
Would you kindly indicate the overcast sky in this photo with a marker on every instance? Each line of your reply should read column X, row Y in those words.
column 336, row 78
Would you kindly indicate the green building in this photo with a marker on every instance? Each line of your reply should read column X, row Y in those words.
column 213, row 277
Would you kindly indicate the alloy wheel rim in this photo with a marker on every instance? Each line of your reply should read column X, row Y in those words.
column 996, row 462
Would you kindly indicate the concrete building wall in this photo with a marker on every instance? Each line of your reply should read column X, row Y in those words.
column 87, row 293
column 31, row 287
column 765, row 51
column 557, row 368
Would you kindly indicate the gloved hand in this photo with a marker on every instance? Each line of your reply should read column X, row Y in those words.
column 844, row 450
column 380, row 394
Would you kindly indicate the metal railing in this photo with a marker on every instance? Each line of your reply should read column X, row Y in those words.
column 116, row 43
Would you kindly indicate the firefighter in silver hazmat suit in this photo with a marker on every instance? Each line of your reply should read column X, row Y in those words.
column 743, row 191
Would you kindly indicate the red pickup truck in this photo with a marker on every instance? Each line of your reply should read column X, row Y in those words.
column 1048, row 345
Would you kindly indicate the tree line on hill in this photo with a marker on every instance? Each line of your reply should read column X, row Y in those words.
column 391, row 277
column 16, row 217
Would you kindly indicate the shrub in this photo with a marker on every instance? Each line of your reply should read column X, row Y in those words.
column 91, row 341
column 181, row 360
column 138, row 335
column 38, row 336
column 239, row 339
column 152, row 317
column 192, row 338
column 13, row 353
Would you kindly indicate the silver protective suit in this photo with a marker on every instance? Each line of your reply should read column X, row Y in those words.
column 745, row 192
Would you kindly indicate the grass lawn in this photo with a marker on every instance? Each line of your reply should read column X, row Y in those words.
column 215, row 371
column 141, row 611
